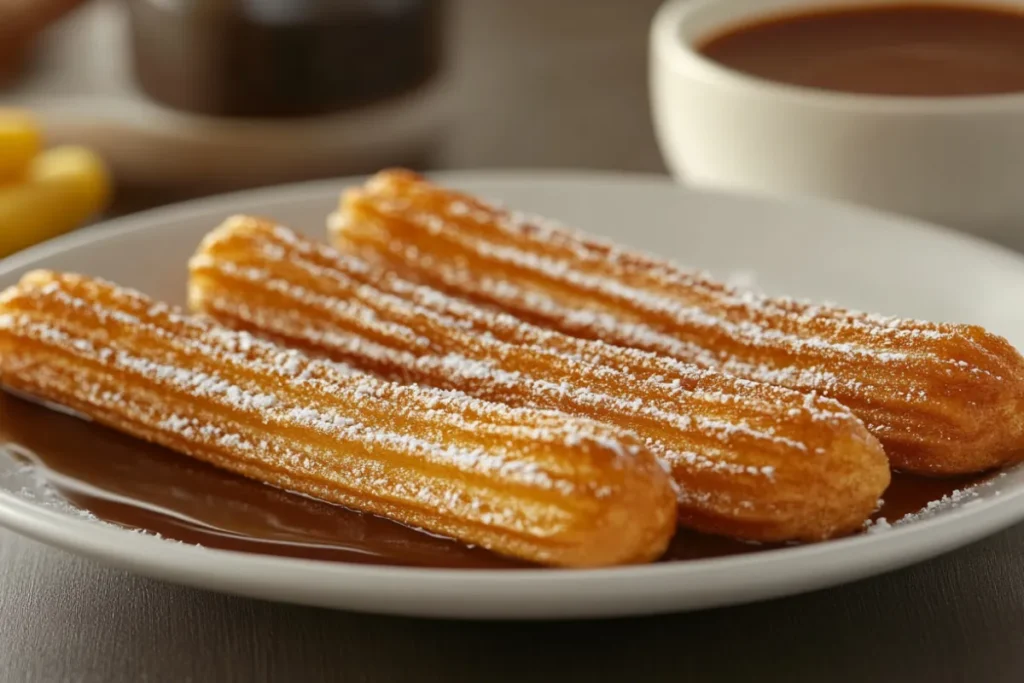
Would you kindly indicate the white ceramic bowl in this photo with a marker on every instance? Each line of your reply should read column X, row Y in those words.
column 952, row 160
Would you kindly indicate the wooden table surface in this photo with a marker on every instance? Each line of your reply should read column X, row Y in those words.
column 540, row 84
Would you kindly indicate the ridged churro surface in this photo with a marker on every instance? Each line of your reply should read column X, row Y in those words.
column 942, row 398
column 537, row 485
column 751, row 461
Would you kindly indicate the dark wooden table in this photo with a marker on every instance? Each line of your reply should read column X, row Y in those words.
column 540, row 84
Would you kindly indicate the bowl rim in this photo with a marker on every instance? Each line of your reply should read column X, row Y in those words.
column 672, row 51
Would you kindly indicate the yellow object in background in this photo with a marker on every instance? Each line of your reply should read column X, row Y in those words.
column 20, row 142
column 60, row 189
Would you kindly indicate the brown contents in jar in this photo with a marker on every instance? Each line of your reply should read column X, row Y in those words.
column 282, row 58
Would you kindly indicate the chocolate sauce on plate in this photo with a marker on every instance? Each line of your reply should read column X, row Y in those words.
column 127, row 482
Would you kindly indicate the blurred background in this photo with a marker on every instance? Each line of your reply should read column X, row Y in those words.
column 144, row 102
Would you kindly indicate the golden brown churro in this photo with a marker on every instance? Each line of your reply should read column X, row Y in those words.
column 942, row 398
column 538, row 485
column 751, row 460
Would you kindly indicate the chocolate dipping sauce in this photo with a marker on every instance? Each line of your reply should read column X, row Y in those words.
column 144, row 487
column 913, row 49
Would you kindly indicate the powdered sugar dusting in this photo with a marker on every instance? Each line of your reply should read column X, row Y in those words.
column 696, row 420
column 595, row 289
column 956, row 499
column 202, row 374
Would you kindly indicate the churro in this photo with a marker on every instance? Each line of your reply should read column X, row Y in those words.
column 750, row 460
column 541, row 486
column 942, row 398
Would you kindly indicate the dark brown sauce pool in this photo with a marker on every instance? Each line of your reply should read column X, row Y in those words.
column 136, row 485
column 926, row 49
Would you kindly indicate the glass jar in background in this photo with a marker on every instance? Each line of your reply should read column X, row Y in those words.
column 282, row 58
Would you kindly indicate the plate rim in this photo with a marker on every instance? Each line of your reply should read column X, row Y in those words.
column 105, row 229
column 931, row 537
column 511, row 593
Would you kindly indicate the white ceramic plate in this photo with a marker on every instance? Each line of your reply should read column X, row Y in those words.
column 853, row 257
